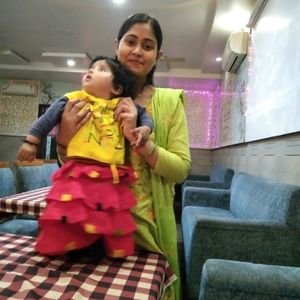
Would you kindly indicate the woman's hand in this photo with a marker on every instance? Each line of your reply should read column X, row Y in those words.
column 126, row 115
column 73, row 118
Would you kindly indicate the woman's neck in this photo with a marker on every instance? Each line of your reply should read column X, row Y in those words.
column 145, row 95
column 140, row 85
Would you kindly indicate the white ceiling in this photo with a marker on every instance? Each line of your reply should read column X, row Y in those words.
column 29, row 27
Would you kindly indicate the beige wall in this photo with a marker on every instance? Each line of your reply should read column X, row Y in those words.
column 275, row 158
column 201, row 161
column 9, row 146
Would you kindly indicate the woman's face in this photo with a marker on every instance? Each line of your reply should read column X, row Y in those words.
column 137, row 50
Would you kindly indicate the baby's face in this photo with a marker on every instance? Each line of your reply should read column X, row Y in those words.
column 98, row 80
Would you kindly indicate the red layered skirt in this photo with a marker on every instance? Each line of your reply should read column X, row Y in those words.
column 85, row 203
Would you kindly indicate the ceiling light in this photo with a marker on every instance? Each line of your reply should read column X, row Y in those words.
column 71, row 62
column 118, row 1
column 219, row 59
column 233, row 21
column 65, row 54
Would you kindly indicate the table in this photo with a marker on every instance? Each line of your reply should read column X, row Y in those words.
column 24, row 274
column 28, row 203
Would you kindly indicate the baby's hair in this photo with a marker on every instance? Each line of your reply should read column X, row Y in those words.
column 121, row 76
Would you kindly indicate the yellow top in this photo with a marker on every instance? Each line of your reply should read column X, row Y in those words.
column 100, row 138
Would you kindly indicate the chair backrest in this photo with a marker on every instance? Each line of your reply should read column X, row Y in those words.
column 33, row 175
column 7, row 180
column 221, row 174
column 254, row 197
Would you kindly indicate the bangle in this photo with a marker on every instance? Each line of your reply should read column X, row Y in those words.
column 61, row 150
column 151, row 151
column 62, row 146
column 30, row 143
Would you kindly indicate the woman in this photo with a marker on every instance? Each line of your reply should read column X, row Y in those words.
column 164, row 159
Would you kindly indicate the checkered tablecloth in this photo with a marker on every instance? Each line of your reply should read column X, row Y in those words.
column 28, row 203
column 24, row 274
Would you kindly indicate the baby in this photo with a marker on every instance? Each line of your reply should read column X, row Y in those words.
column 90, row 199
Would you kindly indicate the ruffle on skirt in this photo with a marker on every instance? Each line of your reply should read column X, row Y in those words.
column 84, row 205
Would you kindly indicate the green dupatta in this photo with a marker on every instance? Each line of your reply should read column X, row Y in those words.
column 171, row 133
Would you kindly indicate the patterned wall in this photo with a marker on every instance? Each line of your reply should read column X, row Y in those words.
column 233, row 106
column 17, row 112
column 202, row 108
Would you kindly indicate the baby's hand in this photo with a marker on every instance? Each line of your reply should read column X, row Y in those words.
column 27, row 152
column 141, row 135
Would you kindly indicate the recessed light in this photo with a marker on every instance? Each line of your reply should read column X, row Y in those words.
column 71, row 62
column 118, row 1
column 233, row 21
column 219, row 59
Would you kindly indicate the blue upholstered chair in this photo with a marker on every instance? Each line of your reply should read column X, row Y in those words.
column 19, row 225
column 220, row 177
column 29, row 176
column 235, row 280
column 257, row 220
column 34, row 175
column 7, row 180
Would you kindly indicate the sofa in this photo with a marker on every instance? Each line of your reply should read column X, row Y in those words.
column 28, row 176
column 257, row 220
column 235, row 280
column 7, row 180
column 220, row 177
column 34, row 175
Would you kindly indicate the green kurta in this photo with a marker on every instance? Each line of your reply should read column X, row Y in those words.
column 154, row 211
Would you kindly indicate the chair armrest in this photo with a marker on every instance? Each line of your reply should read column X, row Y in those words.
column 260, row 241
column 208, row 184
column 194, row 196
column 225, row 279
column 199, row 183
column 198, row 177
column 267, row 242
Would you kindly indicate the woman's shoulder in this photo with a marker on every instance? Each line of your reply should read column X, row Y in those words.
column 170, row 93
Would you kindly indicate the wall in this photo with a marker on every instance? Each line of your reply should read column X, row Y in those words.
column 267, row 88
column 233, row 107
column 48, row 92
column 273, row 104
column 201, row 98
column 276, row 158
column 199, row 94
column 9, row 146
column 18, row 111
column 201, row 161
column 262, row 99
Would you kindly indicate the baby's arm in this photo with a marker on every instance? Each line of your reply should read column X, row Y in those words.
column 141, row 135
column 144, row 127
column 41, row 127
column 28, row 149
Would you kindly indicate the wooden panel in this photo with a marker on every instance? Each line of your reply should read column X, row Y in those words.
column 4, row 164
column 36, row 162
